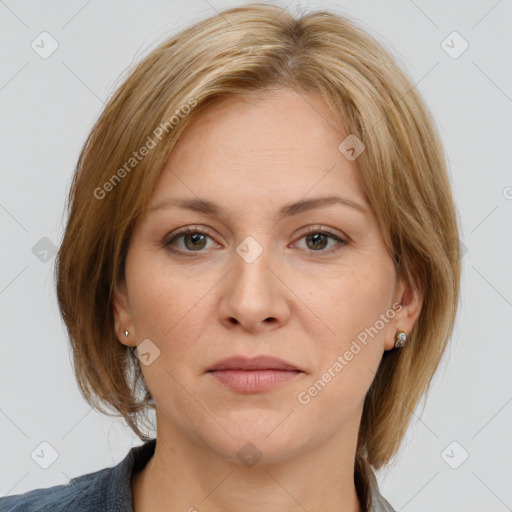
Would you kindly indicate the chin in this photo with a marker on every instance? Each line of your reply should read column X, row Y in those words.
column 259, row 439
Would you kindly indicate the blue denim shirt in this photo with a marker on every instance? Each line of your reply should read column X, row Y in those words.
column 109, row 490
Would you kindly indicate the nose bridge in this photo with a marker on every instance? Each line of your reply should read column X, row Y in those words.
column 252, row 259
column 252, row 294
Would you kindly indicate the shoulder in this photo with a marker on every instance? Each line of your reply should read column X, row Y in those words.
column 108, row 489
column 82, row 494
column 379, row 503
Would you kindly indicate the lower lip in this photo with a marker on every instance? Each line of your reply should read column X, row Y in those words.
column 254, row 381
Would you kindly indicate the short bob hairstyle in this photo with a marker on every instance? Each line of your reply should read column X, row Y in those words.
column 248, row 51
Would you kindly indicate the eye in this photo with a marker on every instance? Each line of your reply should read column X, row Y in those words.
column 194, row 239
column 317, row 239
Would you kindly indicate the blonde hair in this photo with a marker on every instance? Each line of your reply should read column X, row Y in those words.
column 248, row 51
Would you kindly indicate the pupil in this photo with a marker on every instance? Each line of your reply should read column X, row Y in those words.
column 195, row 238
column 317, row 240
column 316, row 237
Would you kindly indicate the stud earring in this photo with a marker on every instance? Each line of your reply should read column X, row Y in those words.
column 126, row 333
column 400, row 339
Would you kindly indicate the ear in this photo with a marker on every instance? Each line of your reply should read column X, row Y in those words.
column 122, row 316
column 408, row 300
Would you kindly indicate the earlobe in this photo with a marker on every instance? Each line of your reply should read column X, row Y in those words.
column 122, row 316
column 410, row 299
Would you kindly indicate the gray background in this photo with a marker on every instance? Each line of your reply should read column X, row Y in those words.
column 47, row 108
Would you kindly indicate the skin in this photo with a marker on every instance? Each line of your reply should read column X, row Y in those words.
column 295, row 301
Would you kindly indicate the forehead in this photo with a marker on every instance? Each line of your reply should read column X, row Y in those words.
column 276, row 121
column 279, row 147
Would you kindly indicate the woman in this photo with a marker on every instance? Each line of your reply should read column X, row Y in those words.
column 263, row 247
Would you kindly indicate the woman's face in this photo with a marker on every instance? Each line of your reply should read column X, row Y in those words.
column 314, row 287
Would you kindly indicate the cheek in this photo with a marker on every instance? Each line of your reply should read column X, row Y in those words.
column 351, row 350
column 159, row 295
column 169, row 307
column 352, row 303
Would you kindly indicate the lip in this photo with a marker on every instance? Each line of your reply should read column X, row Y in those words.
column 254, row 381
column 254, row 375
column 262, row 362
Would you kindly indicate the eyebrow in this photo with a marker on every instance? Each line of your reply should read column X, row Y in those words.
column 208, row 207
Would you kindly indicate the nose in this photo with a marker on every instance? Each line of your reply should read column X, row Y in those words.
column 253, row 295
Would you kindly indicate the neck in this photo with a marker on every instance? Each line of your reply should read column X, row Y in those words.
column 183, row 475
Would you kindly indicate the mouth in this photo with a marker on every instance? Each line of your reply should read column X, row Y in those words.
column 254, row 375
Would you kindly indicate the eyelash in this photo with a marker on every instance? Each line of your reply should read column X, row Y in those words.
column 189, row 230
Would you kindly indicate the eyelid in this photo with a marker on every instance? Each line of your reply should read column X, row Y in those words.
column 187, row 230
column 341, row 238
column 319, row 228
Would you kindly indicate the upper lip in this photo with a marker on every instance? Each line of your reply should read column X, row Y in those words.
column 255, row 363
